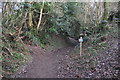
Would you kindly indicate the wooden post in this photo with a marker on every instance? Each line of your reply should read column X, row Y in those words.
column 81, row 40
column 80, row 48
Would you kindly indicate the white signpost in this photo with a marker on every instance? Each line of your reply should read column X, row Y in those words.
column 81, row 40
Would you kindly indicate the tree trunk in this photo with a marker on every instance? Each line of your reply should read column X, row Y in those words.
column 105, row 14
column 40, row 18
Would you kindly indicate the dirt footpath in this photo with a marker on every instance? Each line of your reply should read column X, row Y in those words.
column 58, row 64
column 44, row 64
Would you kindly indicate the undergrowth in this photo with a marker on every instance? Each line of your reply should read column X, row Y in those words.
column 14, row 54
column 93, row 47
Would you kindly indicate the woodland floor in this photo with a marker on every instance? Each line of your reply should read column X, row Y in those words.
column 59, row 64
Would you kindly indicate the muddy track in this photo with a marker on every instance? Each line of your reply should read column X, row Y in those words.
column 44, row 64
